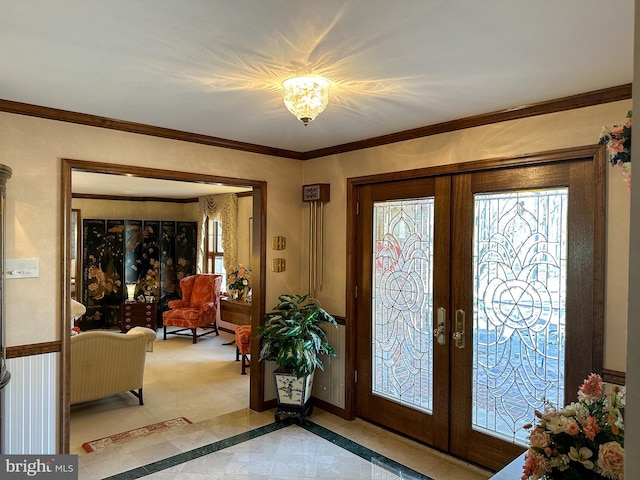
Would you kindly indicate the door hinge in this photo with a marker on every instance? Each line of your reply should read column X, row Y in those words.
column 357, row 208
column 356, row 376
column 356, row 291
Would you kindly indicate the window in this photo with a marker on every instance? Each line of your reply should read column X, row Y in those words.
column 214, row 253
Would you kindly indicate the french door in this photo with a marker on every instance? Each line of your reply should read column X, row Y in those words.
column 477, row 300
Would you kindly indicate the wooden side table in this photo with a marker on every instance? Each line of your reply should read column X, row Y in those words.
column 236, row 312
column 138, row 315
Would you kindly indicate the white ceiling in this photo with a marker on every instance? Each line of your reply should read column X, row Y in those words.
column 215, row 67
column 128, row 186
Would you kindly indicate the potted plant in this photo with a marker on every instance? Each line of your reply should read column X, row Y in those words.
column 293, row 338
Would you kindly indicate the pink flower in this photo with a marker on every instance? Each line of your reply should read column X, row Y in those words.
column 590, row 427
column 591, row 388
column 530, row 465
column 539, row 438
column 572, row 428
column 615, row 146
column 611, row 458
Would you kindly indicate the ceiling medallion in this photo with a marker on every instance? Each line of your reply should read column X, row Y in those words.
column 306, row 97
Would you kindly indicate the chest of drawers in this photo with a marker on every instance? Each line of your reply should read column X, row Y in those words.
column 235, row 312
column 138, row 315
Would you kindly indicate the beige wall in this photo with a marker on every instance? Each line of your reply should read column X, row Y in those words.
column 33, row 147
column 119, row 209
column 536, row 134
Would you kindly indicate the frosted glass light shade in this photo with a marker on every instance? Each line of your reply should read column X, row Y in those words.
column 131, row 290
column 306, row 97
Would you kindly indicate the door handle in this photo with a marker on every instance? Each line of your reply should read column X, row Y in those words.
column 458, row 335
column 439, row 330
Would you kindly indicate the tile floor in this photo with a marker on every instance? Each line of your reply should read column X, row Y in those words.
column 229, row 441
column 249, row 445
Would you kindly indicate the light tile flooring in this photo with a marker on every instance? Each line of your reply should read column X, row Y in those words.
column 239, row 443
column 249, row 445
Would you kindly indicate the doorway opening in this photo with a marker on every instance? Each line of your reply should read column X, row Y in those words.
column 258, row 255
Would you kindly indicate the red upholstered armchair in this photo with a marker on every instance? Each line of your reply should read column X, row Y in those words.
column 199, row 307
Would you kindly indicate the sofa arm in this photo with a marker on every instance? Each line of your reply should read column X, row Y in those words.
column 149, row 334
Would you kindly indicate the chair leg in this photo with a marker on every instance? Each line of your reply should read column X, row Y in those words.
column 165, row 332
column 237, row 354
column 138, row 395
column 244, row 364
column 195, row 336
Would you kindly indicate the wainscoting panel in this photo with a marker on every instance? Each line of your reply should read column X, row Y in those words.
column 31, row 404
column 329, row 385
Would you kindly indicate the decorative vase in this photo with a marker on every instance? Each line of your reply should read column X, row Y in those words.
column 233, row 293
column 292, row 390
column 246, row 294
column 293, row 395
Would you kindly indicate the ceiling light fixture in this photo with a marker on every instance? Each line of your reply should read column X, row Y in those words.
column 306, row 97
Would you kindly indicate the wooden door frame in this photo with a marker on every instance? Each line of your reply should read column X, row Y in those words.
column 258, row 261
column 595, row 153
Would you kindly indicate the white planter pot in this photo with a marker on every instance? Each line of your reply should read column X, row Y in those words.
column 292, row 390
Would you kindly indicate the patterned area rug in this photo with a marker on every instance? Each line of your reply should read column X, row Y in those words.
column 112, row 440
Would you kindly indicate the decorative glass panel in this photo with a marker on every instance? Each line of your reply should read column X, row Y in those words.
column 520, row 264
column 402, row 294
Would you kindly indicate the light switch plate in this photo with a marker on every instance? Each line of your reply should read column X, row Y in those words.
column 279, row 265
column 279, row 243
column 21, row 268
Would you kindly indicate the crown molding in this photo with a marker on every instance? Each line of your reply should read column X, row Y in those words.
column 10, row 106
column 596, row 97
column 90, row 196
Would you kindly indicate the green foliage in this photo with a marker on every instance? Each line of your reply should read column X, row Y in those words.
column 292, row 335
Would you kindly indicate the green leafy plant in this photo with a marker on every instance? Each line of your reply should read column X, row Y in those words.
column 292, row 335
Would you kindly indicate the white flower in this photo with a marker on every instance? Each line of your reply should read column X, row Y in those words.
column 583, row 455
column 570, row 410
column 621, row 397
column 557, row 424
column 605, row 132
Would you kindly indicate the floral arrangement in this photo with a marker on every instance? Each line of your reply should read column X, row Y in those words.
column 239, row 278
column 584, row 440
column 618, row 142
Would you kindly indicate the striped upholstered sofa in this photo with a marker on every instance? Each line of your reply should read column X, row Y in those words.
column 106, row 363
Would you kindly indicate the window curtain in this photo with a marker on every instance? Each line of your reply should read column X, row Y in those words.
column 224, row 208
